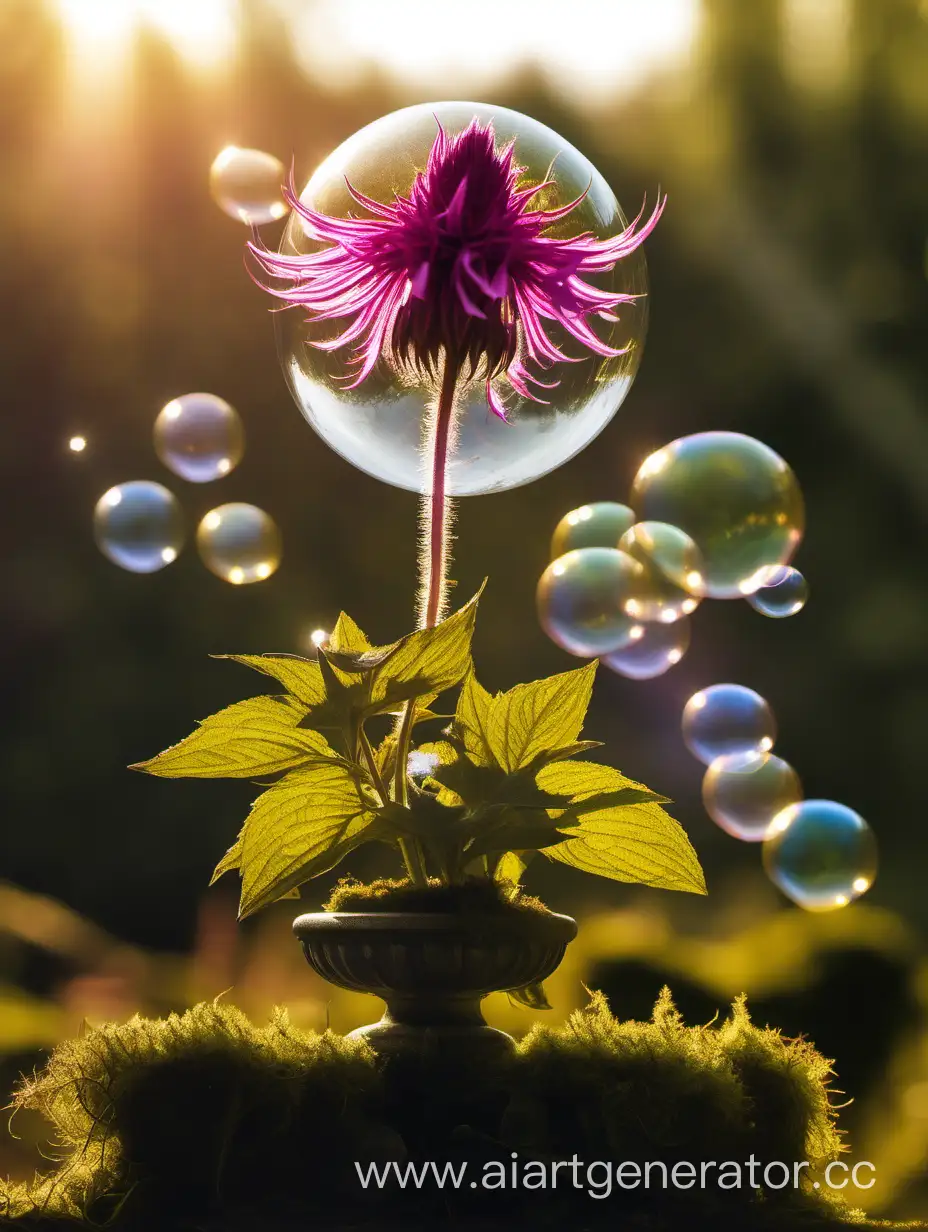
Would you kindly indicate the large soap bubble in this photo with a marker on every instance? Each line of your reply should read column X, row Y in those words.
column 139, row 526
column 582, row 599
column 727, row 718
column 821, row 854
column 734, row 496
column 240, row 543
column 199, row 437
column 598, row 525
column 744, row 792
column 378, row 426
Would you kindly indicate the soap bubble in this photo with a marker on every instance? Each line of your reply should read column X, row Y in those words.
column 199, row 437
column 239, row 543
column 821, row 854
column 600, row 525
column 139, row 526
column 582, row 597
column 654, row 651
column 673, row 571
column 782, row 592
column 727, row 718
column 246, row 184
column 378, row 426
column 734, row 496
column 743, row 792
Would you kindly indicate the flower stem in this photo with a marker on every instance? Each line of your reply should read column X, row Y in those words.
column 433, row 564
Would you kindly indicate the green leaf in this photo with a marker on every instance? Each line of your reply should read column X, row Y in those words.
column 230, row 861
column 532, row 997
column 510, row 867
column 631, row 842
column 472, row 721
column 301, row 827
column 299, row 676
column 516, row 831
column 257, row 736
column 543, row 715
column 347, row 637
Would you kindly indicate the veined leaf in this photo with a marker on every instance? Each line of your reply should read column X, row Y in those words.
column 299, row 828
column 472, row 720
column 257, row 736
column 427, row 661
column 299, row 676
column 517, row 831
column 633, row 842
column 510, row 867
column 532, row 718
column 230, row 861
column 347, row 637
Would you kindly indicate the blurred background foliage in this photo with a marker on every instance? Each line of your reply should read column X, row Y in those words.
column 788, row 296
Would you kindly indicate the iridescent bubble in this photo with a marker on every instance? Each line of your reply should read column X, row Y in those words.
column 199, row 437
column 582, row 597
column 654, row 651
column 727, row 718
column 239, row 543
column 246, row 184
column 600, row 525
column 673, row 571
column 378, row 426
column 139, row 526
column 783, row 592
column 744, row 792
column 735, row 497
column 821, row 854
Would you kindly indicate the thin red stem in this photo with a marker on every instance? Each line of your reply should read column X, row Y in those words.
column 437, row 513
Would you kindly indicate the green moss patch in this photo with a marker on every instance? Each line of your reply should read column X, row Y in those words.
column 471, row 896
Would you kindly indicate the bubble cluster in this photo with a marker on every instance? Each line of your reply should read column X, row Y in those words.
column 725, row 719
column 199, row 437
column 240, row 543
column 378, row 426
column 600, row 525
column 782, row 592
column 734, row 496
column 246, row 185
column 672, row 579
column 582, row 599
column 139, row 526
column 821, row 854
column 744, row 792
column 654, row 650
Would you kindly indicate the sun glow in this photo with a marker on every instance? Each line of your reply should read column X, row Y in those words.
column 203, row 32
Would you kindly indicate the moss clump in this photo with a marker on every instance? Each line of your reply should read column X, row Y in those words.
column 472, row 896
column 206, row 1121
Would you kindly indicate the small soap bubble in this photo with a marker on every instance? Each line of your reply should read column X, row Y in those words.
column 821, row 854
column 240, row 543
column 599, row 525
column 139, row 526
column 199, row 437
column 734, row 496
column 582, row 598
column 673, row 578
column 246, row 184
column 656, row 649
column 727, row 718
column 744, row 792
column 782, row 592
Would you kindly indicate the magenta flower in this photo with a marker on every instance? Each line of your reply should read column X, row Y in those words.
column 461, row 268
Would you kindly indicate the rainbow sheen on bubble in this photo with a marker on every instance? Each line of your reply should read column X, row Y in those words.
column 821, row 854
column 734, row 496
column 655, row 650
column 673, row 571
column 582, row 597
column 598, row 525
column 139, row 526
column 725, row 719
column 744, row 792
column 379, row 425
column 246, row 185
column 240, row 543
column 783, row 591
column 199, row 437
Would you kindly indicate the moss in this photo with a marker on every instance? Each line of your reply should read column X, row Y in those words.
column 205, row 1120
column 474, row 895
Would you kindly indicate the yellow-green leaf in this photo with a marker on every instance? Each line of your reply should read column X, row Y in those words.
column 510, row 867
column 429, row 660
column 257, row 736
column 634, row 842
column 347, row 637
column 472, row 720
column 312, row 816
column 230, row 861
column 299, row 676
column 532, row 718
